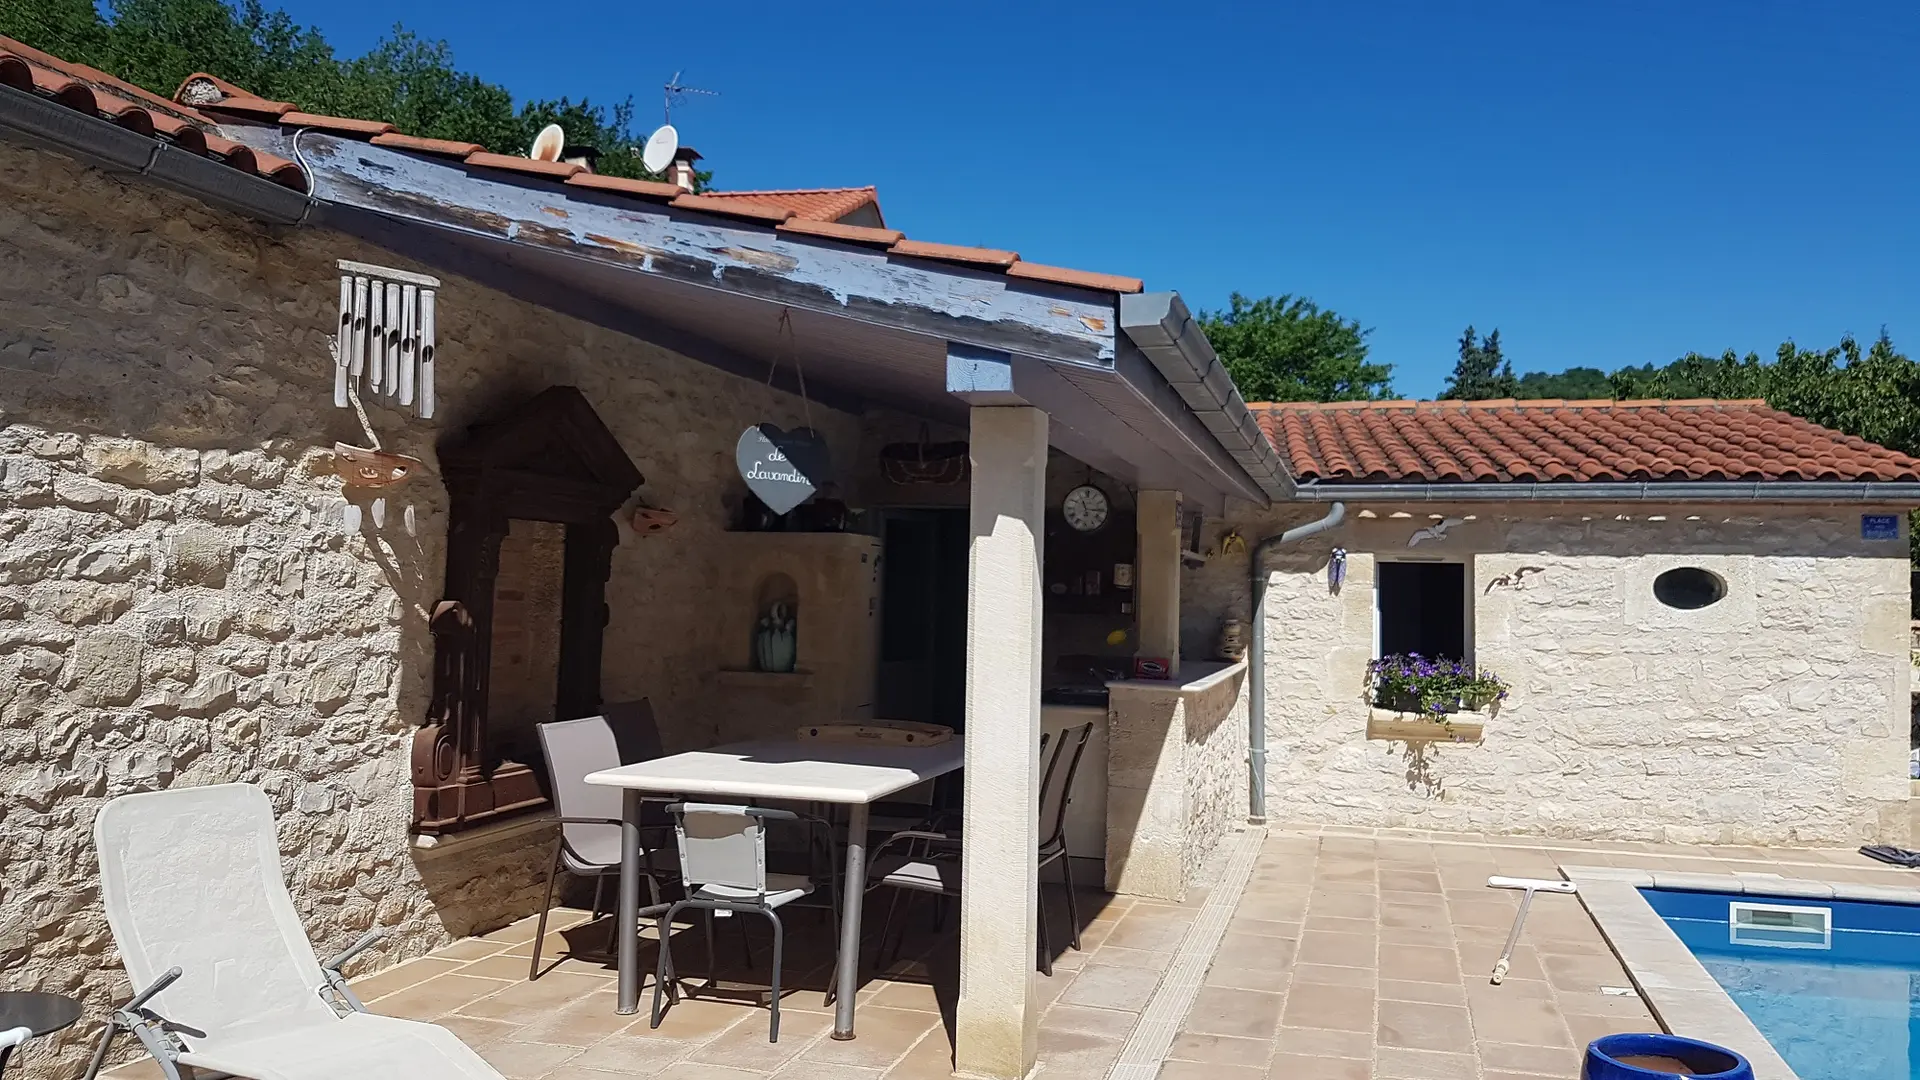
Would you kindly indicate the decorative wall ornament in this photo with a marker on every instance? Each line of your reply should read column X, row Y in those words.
column 1436, row 531
column 782, row 468
column 1515, row 580
column 386, row 341
column 647, row 520
column 1336, row 570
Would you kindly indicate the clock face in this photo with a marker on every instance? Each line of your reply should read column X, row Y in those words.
column 1085, row 508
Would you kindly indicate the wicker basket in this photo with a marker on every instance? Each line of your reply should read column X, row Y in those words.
column 924, row 462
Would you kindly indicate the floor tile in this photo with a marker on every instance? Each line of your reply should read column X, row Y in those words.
column 1242, row 1013
column 1296, row 1067
column 436, row 997
column 1321, row 1042
column 1107, row 987
column 1221, row 1050
column 527, row 1060
column 882, row 1037
column 1421, row 1026
column 1392, row 1063
column 1341, row 1008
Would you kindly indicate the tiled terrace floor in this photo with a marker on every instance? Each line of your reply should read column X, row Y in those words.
column 1353, row 954
column 1358, row 954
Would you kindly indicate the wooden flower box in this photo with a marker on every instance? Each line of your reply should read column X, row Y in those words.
column 1413, row 727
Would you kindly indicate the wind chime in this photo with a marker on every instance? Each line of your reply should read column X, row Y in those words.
column 385, row 349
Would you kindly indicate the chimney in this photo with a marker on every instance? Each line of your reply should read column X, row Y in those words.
column 680, row 169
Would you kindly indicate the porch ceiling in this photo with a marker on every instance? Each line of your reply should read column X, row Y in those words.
column 864, row 326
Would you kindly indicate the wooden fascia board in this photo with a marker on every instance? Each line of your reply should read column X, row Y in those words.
column 655, row 240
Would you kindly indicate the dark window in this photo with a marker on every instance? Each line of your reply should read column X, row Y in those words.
column 1689, row 588
column 1423, row 609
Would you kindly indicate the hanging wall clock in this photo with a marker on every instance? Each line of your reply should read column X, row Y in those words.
column 1085, row 508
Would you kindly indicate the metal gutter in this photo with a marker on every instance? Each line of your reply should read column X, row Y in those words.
column 30, row 119
column 1162, row 328
column 1257, row 657
column 1765, row 491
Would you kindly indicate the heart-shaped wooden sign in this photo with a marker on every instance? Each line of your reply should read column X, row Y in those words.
column 782, row 468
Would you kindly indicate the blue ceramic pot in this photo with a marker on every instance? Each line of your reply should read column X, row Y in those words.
column 1708, row 1062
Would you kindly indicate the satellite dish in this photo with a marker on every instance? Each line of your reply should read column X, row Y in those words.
column 548, row 144
column 661, row 146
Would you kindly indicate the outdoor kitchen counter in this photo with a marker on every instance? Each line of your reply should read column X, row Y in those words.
column 1176, row 774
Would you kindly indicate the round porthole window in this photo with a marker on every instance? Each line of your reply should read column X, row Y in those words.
column 1689, row 588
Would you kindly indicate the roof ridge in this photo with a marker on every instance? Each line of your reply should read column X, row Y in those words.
column 792, row 191
column 1516, row 403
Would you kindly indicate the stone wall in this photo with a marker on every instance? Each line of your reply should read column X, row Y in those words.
column 186, row 597
column 1775, row 716
column 1176, row 776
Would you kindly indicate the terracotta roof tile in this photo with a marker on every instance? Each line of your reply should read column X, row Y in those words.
column 921, row 249
column 428, row 146
column 559, row 170
column 653, row 189
column 183, row 122
column 733, row 208
column 833, row 230
column 1085, row 279
column 1443, row 442
column 340, row 124
column 811, row 204
column 98, row 94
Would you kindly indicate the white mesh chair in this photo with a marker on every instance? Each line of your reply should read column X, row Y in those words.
column 589, row 841
column 723, row 864
column 226, row 979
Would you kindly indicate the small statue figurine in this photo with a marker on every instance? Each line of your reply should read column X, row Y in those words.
column 774, row 647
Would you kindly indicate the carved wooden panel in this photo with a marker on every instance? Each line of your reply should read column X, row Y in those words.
column 551, row 459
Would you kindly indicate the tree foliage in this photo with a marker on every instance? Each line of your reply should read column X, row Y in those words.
column 1573, row 384
column 1287, row 348
column 406, row 80
column 1482, row 372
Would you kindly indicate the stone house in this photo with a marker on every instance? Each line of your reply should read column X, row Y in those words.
column 1701, row 608
column 212, row 572
column 197, row 585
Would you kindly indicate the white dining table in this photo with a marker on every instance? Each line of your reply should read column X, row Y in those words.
column 853, row 774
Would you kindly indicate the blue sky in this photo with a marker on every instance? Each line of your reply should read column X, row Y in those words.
column 1618, row 181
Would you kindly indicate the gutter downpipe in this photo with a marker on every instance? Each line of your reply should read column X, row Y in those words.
column 1257, row 658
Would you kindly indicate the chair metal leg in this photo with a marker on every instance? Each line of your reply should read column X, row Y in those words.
column 663, row 976
column 540, row 934
column 773, row 1001
column 1073, row 909
column 613, row 924
column 886, row 929
column 1046, row 947
column 713, row 955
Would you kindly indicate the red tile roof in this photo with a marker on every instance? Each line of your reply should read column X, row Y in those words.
column 1450, row 442
column 812, row 204
column 98, row 94
column 811, row 211
column 191, row 122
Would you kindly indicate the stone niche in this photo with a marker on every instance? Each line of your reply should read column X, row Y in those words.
column 517, row 637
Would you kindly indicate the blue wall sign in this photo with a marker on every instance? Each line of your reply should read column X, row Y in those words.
column 1879, row 526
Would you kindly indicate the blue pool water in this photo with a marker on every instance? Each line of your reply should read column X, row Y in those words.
column 1846, row 1009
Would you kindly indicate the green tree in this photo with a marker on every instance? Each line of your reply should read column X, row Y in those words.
column 1481, row 372
column 405, row 80
column 1573, row 384
column 1287, row 348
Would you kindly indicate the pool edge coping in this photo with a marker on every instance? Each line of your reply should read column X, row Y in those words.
column 1683, row 997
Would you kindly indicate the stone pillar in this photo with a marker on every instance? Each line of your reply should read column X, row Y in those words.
column 997, row 1017
column 1157, row 578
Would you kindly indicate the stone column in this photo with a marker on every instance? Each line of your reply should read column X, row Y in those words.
column 997, row 1016
column 1157, row 578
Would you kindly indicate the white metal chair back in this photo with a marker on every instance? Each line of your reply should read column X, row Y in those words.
column 191, row 878
column 575, row 748
column 721, row 844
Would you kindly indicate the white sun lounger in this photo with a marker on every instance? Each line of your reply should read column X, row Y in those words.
column 225, row 978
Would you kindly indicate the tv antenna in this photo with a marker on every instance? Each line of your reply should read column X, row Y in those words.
column 674, row 92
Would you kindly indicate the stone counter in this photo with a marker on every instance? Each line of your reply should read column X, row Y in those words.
column 1176, row 775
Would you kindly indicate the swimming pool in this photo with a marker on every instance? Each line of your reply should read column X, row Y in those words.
column 1834, row 985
